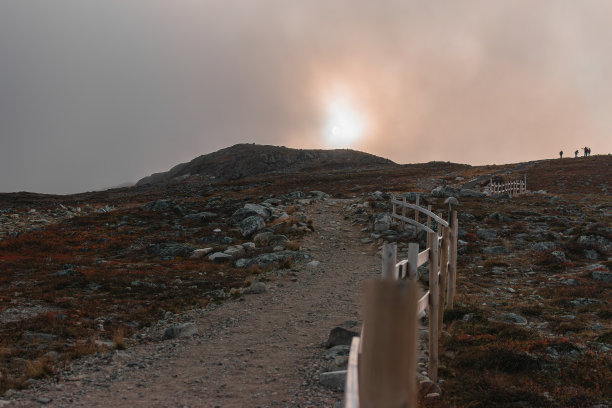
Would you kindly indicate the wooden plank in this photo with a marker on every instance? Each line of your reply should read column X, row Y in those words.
column 389, row 260
column 351, row 390
column 423, row 257
column 403, row 214
column 387, row 366
column 433, row 309
column 422, row 210
column 401, row 269
column 423, row 303
column 412, row 222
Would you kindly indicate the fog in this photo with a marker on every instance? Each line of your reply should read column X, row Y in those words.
column 97, row 93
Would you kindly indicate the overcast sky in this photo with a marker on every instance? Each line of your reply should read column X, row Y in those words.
column 95, row 93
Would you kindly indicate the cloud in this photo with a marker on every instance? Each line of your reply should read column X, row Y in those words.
column 96, row 93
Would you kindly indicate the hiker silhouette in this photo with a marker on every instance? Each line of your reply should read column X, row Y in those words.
column 576, row 154
column 561, row 154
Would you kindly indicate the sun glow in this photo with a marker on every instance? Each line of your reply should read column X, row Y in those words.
column 344, row 124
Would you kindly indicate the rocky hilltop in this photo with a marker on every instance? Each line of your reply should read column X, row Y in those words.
column 245, row 160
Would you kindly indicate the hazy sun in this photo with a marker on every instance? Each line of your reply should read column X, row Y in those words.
column 344, row 124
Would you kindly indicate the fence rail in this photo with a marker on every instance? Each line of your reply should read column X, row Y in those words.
column 382, row 362
column 513, row 188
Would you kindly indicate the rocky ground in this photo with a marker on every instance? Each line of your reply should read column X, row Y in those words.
column 225, row 295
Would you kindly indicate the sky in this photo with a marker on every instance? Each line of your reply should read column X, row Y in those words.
column 96, row 93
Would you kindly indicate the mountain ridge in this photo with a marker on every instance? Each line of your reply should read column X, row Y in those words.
column 244, row 160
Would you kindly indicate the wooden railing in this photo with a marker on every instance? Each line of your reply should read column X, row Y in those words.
column 513, row 188
column 382, row 364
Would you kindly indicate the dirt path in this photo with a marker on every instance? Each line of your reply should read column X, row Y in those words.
column 259, row 351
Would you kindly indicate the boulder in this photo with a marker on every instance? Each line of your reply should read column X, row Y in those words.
column 337, row 351
column 260, row 210
column 597, row 241
column 239, row 215
column 514, row 318
column 339, row 336
column 235, row 251
column 261, row 239
column 272, row 259
column 181, row 330
column 335, row 380
column 251, row 224
column 159, row 205
column 382, row 222
column 38, row 337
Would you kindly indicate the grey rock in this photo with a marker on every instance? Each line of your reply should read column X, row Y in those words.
column 220, row 257
column 200, row 253
column 159, row 205
column 313, row 264
column 514, row 318
column 261, row 239
column 256, row 288
column 271, row 259
column 251, row 224
column 560, row 255
column 586, row 302
column 488, row 234
column 67, row 271
column 545, row 246
column 602, row 276
column 171, row 249
column 571, row 282
column 202, row 216
column 596, row 241
column 382, row 222
column 181, row 330
column 38, row 337
column 319, row 195
column 335, row 380
column 235, row 251
column 43, row 400
column 239, row 215
column 496, row 250
column 260, row 210
column 591, row 254
column 336, row 351
column 339, row 336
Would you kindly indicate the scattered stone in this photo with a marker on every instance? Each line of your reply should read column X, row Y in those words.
column 202, row 216
column 271, row 259
column 256, row 288
column 313, row 264
column 514, row 318
column 39, row 337
column 181, row 330
column 602, row 276
column 545, row 246
column 382, row 222
column 171, row 250
column 571, row 282
column 251, row 224
column 220, row 257
column 495, row 250
column 340, row 336
column 260, row 210
column 487, row 234
column 159, row 205
column 586, row 302
column 337, row 351
column 200, row 253
column 43, row 400
column 235, row 251
column 596, row 241
column 560, row 255
column 335, row 380
column 67, row 271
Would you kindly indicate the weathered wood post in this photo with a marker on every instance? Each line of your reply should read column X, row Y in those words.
column 389, row 260
column 404, row 214
column 443, row 273
column 416, row 212
column 388, row 363
column 428, row 217
column 452, row 266
column 413, row 256
column 434, row 297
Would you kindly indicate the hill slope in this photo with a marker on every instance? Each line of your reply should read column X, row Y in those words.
column 244, row 160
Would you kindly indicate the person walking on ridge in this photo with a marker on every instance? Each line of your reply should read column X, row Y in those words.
column 561, row 154
column 576, row 154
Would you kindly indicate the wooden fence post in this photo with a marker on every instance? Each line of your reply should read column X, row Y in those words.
column 416, row 212
column 413, row 256
column 404, row 214
column 443, row 273
column 388, row 363
column 389, row 260
column 434, row 297
column 452, row 266
column 428, row 217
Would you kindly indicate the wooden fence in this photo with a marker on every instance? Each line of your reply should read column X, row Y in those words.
column 512, row 188
column 382, row 364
